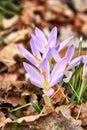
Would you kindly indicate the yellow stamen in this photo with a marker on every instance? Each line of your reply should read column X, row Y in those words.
column 45, row 46
column 37, row 59
column 46, row 86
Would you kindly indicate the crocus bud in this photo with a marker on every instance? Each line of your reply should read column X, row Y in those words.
column 84, row 75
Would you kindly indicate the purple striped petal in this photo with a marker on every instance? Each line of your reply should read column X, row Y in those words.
column 45, row 69
column 47, row 53
column 84, row 74
column 68, row 75
column 26, row 54
column 34, row 49
column 59, row 68
column 57, row 47
column 55, row 54
column 56, row 79
column 38, row 43
column 49, row 92
column 75, row 62
column 52, row 38
column 70, row 52
column 35, row 77
column 40, row 35
column 84, row 58
column 64, row 43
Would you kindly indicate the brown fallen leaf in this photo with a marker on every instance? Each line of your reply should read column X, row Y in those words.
column 14, row 100
column 82, row 111
column 6, row 77
column 28, row 9
column 17, row 36
column 14, row 93
column 8, row 23
column 58, row 95
column 2, row 118
column 84, row 29
column 8, row 53
column 50, row 121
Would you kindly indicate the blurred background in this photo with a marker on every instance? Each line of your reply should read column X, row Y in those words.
column 18, row 19
column 70, row 16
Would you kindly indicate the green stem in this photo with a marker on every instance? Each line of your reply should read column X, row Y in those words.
column 82, row 90
column 47, row 100
column 20, row 107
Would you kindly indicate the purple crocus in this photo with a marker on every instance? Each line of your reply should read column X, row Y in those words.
column 45, row 45
column 41, row 41
column 70, row 63
column 41, row 47
column 44, row 78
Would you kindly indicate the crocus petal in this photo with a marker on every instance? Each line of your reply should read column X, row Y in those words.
column 56, row 79
column 59, row 68
column 37, row 84
column 84, row 74
column 49, row 92
column 64, row 43
column 55, row 54
column 34, row 49
column 45, row 69
column 38, row 43
column 57, row 46
column 34, row 74
column 53, row 37
column 84, row 58
column 47, row 53
column 75, row 62
column 68, row 75
column 40, row 35
column 26, row 54
column 70, row 52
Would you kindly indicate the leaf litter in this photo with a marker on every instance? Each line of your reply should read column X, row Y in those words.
column 14, row 91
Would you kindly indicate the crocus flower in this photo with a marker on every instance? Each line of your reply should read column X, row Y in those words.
column 70, row 63
column 45, row 45
column 44, row 78
column 42, row 43
column 41, row 47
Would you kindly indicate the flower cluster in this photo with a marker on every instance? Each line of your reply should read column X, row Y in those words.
column 41, row 72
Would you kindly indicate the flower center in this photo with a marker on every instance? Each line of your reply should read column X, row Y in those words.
column 37, row 59
column 45, row 46
column 46, row 86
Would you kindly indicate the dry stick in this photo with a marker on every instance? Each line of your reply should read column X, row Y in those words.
column 79, row 112
column 57, row 91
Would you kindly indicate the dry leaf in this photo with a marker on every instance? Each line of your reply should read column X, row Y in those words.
column 8, row 53
column 82, row 111
column 17, row 36
column 8, row 23
column 51, row 121
column 8, row 77
column 2, row 118
column 58, row 95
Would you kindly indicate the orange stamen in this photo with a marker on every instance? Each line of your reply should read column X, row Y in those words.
column 37, row 59
column 44, row 74
column 67, row 65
